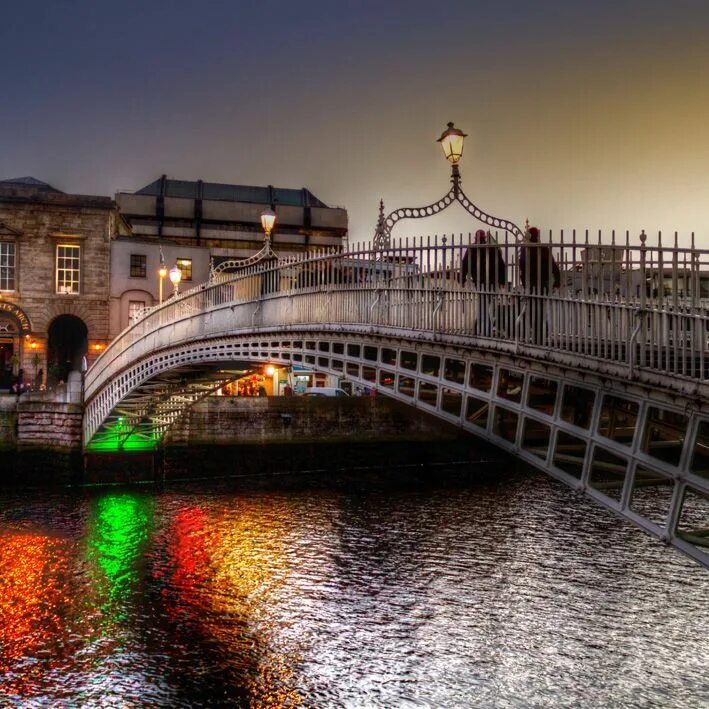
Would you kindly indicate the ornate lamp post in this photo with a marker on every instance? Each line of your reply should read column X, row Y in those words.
column 451, row 141
column 268, row 222
column 176, row 277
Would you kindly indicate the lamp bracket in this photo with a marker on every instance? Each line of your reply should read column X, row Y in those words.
column 382, row 233
column 265, row 253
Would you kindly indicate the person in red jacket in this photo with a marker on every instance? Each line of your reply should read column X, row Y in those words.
column 539, row 274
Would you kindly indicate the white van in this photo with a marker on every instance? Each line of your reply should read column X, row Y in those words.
column 324, row 391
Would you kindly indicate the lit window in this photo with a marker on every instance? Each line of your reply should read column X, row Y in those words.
column 185, row 265
column 7, row 265
column 68, row 268
column 135, row 307
column 138, row 267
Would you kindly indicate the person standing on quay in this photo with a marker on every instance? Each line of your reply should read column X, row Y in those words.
column 484, row 268
column 539, row 274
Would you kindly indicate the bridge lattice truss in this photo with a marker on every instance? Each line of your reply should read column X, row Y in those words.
column 599, row 377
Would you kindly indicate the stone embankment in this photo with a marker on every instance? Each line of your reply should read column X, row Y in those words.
column 8, row 423
column 40, row 434
column 299, row 419
column 43, row 421
column 48, row 424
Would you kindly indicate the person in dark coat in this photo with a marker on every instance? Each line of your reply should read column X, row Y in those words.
column 539, row 274
column 483, row 268
column 538, row 269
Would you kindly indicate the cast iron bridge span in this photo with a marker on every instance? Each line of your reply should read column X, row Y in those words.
column 597, row 373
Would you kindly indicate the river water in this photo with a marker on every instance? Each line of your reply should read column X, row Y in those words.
column 442, row 590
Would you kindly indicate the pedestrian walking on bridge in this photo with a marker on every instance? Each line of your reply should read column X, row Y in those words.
column 539, row 274
column 483, row 269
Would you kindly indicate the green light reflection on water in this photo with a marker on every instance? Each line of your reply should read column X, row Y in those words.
column 118, row 530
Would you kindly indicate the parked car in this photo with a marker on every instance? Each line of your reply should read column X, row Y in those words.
column 324, row 391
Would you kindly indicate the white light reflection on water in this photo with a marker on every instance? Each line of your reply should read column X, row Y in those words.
column 483, row 594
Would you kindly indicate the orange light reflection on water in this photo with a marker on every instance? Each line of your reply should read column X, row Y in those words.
column 33, row 596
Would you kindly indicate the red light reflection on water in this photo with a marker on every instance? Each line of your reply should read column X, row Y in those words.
column 190, row 543
column 224, row 566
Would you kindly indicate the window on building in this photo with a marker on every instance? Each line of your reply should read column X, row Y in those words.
column 7, row 265
column 138, row 267
column 135, row 307
column 185, row 265
column 68, row 268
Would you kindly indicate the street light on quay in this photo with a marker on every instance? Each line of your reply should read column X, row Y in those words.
column 175, row 277
column 162, row 272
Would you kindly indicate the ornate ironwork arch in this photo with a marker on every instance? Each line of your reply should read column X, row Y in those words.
column 266, row 252
column 382, row 233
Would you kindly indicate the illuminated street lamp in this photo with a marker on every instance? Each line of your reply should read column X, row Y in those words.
column 451, row 141
column 175, row 277
column 162, row 272
column 268, row 221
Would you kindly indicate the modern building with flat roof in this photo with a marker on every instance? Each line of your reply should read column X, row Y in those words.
column 198, row 225
column 227, row 218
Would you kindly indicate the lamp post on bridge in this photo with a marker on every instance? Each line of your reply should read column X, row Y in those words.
column 451, row 141
column 268, row 221
column 175, row 278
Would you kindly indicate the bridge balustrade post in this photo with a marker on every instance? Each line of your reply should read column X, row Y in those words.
column 642, row 359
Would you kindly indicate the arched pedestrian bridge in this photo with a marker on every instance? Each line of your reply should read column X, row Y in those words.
column 597, row 373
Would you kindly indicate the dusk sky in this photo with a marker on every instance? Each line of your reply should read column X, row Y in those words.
column 579, row 114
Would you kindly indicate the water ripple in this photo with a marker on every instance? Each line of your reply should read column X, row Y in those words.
column 510, row 593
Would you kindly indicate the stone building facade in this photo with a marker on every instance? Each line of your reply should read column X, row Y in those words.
column 75, row 268
column 54, row 280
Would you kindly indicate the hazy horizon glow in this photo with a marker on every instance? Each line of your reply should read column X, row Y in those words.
column 579, row 115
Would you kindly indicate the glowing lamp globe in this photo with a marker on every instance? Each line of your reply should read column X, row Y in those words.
column 175, row 275
column 163, row 270
column 452, row 143
column 268, row 220
column 270, row 370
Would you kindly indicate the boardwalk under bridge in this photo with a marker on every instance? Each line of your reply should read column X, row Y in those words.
column 587, row 360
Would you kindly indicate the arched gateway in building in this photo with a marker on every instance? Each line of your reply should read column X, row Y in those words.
column 67, row 344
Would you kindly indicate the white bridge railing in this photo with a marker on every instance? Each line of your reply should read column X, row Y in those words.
column 643, row 307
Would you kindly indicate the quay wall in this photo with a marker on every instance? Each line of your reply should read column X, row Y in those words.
column 8, row 423
column 319, row 435
column 300, row 419
column 40, row 441
column 50, row 424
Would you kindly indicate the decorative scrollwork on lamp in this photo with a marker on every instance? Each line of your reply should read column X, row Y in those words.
column 452, row 143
